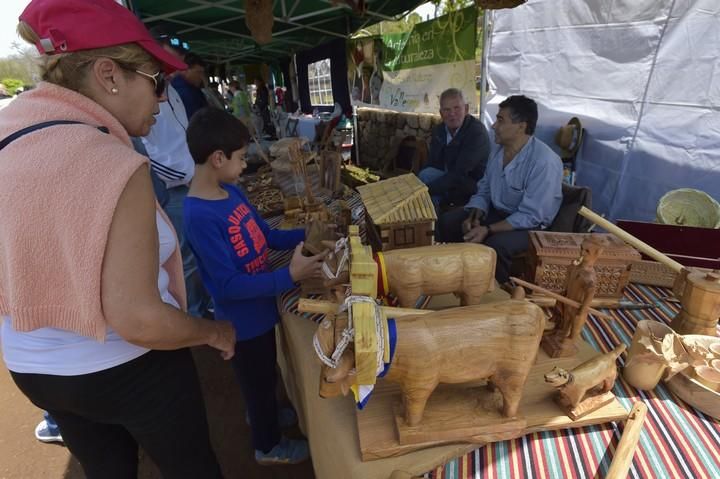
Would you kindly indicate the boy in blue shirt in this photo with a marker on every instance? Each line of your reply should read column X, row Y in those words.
column 230, row 242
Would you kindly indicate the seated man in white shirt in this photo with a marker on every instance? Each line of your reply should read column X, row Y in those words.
column 521, row 189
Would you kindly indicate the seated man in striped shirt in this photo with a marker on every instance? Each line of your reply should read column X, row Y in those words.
column 521, row 189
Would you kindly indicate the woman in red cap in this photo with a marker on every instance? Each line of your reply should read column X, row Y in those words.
column 91, row 284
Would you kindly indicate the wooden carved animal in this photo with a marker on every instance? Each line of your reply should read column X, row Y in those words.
column 593, row 377
column 466, row 269
column 494, row 341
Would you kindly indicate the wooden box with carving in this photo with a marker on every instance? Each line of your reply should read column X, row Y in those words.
column 552, row 253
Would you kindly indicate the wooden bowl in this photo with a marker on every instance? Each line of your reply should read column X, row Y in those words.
column 689, row 389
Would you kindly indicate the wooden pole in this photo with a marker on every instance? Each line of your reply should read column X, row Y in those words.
column 622, row 460
column 328, row 307
column 558, row 297
column 631, row 240
column 605, row 303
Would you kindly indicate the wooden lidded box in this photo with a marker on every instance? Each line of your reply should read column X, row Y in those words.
column 552, row 253
column 398, row 213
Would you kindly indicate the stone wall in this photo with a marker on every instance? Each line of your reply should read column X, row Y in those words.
column 381, row 131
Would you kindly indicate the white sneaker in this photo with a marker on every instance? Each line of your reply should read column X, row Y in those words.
column 44, row 433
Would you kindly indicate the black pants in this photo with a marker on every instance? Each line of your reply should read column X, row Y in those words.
column 506, row 245
column 154, row 401
column 255, row 369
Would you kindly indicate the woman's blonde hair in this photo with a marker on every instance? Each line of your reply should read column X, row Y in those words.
column 69, row 70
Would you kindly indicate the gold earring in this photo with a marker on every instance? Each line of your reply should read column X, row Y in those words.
column 114, row 91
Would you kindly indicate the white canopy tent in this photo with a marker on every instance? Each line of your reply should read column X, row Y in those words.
column 642, row 75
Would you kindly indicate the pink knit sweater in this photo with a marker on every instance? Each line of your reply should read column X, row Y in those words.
column 59, row 187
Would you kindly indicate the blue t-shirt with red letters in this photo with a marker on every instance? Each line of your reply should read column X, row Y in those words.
column 230, row 242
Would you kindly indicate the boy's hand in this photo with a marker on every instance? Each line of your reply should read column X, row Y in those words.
column 223, row 338
column 306, row 267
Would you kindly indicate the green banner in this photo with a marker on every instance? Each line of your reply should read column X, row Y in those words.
column 446, row 39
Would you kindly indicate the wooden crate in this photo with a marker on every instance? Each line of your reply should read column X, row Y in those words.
column 652, row 273
column 552, row 253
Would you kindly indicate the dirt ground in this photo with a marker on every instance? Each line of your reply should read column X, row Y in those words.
column 24, row 457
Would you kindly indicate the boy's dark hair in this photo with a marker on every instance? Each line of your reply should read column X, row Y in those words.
column 192, row 59
column 524, row 109
column 212, row 129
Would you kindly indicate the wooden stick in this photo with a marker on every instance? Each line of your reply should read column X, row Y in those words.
column 558, row 297
column 631, row 240
column 605, row 303
column 622, row 460
column 261, row 152
column 328, row 307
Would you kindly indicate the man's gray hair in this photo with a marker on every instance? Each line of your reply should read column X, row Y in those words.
column 452, row 93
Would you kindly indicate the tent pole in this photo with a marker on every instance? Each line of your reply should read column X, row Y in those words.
column 484, row 65
column 356, row 135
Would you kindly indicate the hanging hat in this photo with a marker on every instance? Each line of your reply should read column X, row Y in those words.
column 72, row 25
column 569, row 138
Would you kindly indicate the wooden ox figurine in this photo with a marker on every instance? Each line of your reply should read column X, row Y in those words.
column 495, row 341
column 466, row 269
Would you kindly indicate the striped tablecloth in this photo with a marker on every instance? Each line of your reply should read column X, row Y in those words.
column 676, row 440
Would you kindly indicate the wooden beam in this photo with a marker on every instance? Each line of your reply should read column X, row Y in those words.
column 558, row 297
column 319, row 306
column 631, row 240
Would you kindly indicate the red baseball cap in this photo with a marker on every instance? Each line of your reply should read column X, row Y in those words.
column 73, row 25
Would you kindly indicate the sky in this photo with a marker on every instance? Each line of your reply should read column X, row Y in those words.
column 13, row 8
column 8, row 23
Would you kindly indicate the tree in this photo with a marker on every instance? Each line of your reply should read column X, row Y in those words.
column 22, row 65
column 446, row 6
column 12, row 84
column 405, row 24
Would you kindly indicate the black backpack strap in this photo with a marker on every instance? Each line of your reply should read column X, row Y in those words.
column 39, row 126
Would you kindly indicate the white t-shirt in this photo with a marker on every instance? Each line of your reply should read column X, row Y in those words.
column 166, row 144
column 64, row 353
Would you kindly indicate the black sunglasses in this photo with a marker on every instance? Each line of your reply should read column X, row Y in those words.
column 158, row 79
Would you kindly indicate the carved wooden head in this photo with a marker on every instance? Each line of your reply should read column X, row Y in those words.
column 329, row 334
column 557, row 377
column 592, row 247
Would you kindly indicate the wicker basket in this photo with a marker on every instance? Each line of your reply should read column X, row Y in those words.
column 688, row 207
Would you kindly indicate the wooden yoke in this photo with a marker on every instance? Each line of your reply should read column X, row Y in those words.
column 363, row 282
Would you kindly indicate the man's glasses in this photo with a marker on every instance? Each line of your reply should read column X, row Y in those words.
column 158, row 79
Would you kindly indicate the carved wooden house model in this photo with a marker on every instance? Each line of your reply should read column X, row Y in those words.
column 398, row 213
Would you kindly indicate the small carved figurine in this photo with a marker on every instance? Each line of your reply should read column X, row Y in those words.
column 586, row 387
column 581, row 286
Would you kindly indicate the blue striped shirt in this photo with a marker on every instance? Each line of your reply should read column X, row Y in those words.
column 529, row 187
